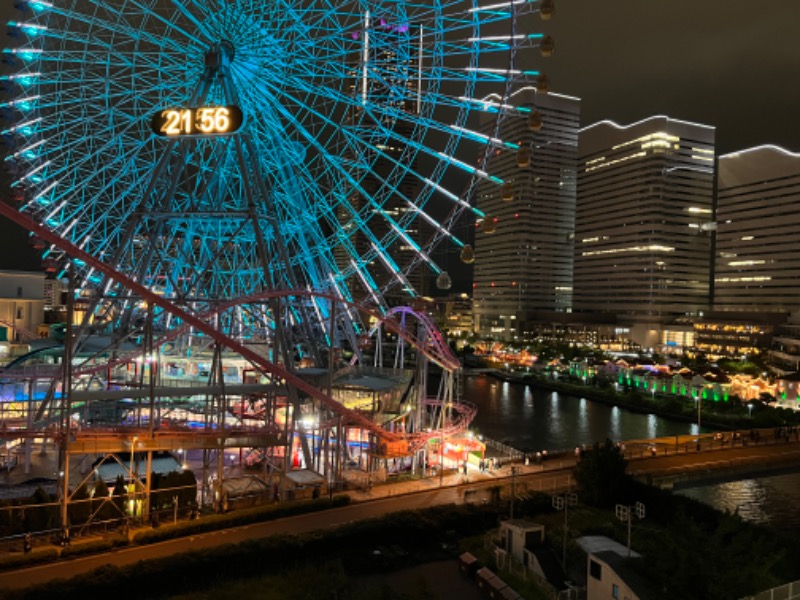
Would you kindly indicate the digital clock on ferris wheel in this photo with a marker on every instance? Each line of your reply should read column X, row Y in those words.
column 199, row 121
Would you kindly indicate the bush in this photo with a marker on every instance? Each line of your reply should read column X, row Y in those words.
column 407, row 537
column 236, row 518
column 92, row 547
column 38, row 556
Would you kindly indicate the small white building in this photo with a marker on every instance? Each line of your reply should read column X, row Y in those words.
column 610, row 575
column 518, row 535
column 522, row 543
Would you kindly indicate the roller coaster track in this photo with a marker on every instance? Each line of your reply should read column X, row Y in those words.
column 436, row 348
column 351, row 417
column 434, row 345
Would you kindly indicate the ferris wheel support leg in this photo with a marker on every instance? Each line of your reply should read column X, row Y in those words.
column 146, row 511
column 29, row 440
column 204, row 485
column 294, row 383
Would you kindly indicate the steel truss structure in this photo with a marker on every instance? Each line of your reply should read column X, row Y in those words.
column 267, row 247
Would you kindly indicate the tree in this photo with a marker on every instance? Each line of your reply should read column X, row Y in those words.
column 102, row 502
column 120, row 496
column 187, row 496
column 80, row 506
column 728, row 559
column 600, row 475
column 41, row 518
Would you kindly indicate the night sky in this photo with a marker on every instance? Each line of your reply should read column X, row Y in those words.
column 734, row 64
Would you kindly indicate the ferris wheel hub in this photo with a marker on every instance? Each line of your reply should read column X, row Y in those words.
column 219, row 54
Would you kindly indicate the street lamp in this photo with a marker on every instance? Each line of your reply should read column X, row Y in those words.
column 562, row 503
column 441, row 460
column 132, row 499
column 514, row 471
column 750, row 409
column 626, row 514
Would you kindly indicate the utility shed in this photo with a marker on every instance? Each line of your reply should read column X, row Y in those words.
column 517, row 535
column 109, row 468
column 305, row 483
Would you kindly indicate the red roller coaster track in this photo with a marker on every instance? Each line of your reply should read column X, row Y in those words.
column 437, row 350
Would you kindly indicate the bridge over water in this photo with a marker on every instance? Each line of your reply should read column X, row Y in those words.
column 688, row 460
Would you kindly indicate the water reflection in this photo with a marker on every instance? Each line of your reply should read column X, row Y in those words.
column 554, row 412
column 771, row 501
column 504, row 393
column 533, row 419
column 615, row 413
column 652, row 426
column 527, row 405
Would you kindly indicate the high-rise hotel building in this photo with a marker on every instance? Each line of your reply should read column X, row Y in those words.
column 758, row 248
column 523, row 249
column 644, row 222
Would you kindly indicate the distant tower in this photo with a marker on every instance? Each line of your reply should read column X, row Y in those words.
column 523, row 249
column 758, row 251
column 644, row 222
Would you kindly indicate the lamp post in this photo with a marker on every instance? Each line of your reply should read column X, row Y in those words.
column 132, row 499
column 626, row 514
column 514, row 471
column 563, row 502
column 441, row 460
column 750, row 409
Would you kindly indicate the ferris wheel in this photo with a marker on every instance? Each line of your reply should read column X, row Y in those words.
column 214, row 149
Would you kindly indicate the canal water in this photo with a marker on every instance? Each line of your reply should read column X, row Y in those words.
column 773, row 501
column 532, row 419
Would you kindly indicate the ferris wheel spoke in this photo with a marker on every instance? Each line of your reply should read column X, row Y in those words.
column 357, row 127
column 342, row 102
column 81, row 165
column 395, row 227
column 392, row 133
column 198, row 22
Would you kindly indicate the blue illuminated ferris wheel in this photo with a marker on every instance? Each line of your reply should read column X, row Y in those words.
column 212, row 150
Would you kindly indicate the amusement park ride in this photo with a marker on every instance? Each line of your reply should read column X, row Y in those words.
column 224, row 189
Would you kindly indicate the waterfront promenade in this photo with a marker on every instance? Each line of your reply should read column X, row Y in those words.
column 672, row 460
column 661, row 461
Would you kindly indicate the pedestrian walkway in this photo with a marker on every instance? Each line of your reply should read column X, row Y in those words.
column 456, row 477
column 43, row 472
column 478, row 479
